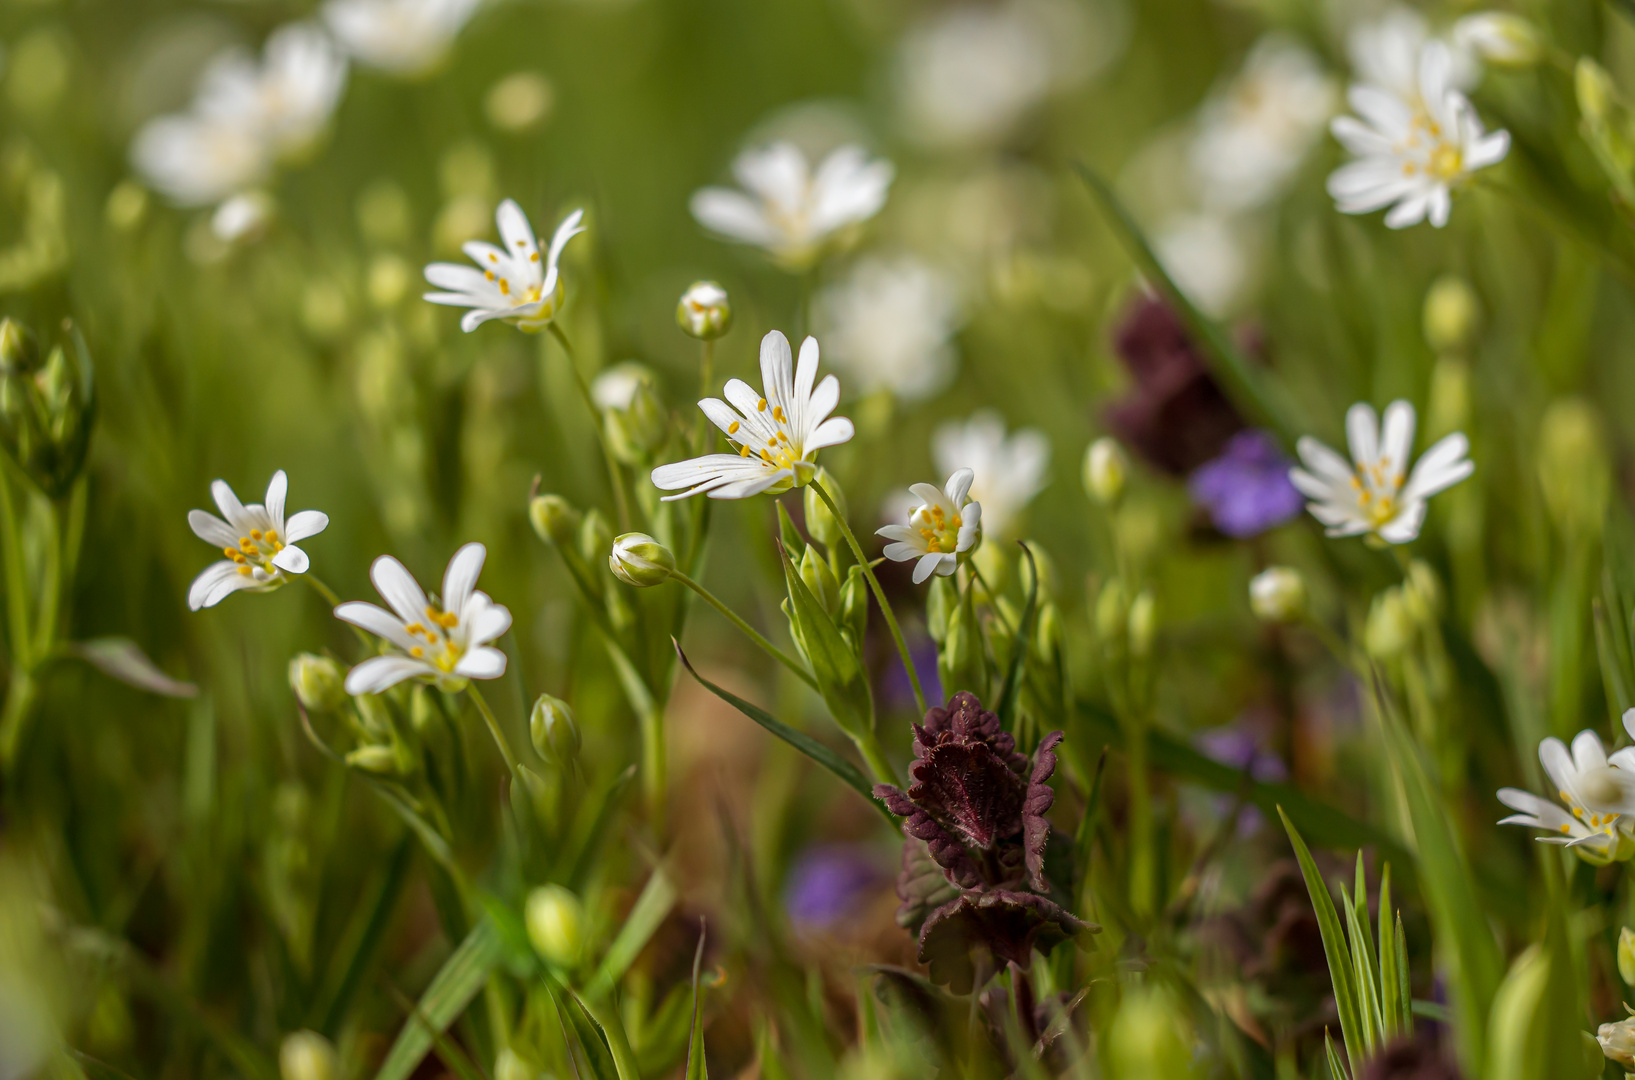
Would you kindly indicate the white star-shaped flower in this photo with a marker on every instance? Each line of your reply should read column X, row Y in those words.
column 790, row 210
column 1375, row 493
column 944, row 526
column 1412, row 154
column 778, row 435
column 513, row 283
column 403, row 37
column 1597, row 790
column 258, row 542
column 445, row 641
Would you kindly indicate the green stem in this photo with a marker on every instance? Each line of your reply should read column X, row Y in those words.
column 495, row 730
column 993, row 599
column 16, row 578
column 879, row 595
column 1143, row 877
column 706, row 364
column 614, row 474
column 869, row 746
column 45, row 625
column 754, row 635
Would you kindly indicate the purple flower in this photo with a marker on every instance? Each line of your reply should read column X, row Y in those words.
column 827, row 883
column 1247, row 490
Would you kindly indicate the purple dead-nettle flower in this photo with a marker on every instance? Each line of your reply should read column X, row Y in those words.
column 975, row 811
column 1247, row 489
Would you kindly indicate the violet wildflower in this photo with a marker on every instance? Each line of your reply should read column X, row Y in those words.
column 828, row 883
column 973, row 882
column 1246, row 490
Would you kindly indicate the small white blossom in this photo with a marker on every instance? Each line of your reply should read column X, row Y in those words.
column 1385, row 53
column 1010, row 471
column 890, row 326
column 1598, row 791
column 286, row 98
column 258, row 542
column 778, row 435
column 196, row 160
column 445, row 641
column 1375, row 493
column 242, row 216
column 403, row 37
column 1412, row 154
column 970, row 71
column 512, row 283
column 1277, row 594
column 615, row 387
column 790, row 209
column 942, row 526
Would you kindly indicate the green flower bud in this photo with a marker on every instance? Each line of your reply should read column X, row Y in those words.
column 1106, row 467
column 854, row 605
column 556, row 925
column 1422, row 594
column 1143, row 623
column 306, row 1055
column 373, row 717
column 595, row 536
column 815, row 572
column 940, row 599
column 1041, row 563
column 1573, row 465
column 1112, row 612
column 704, row 311
column 821, row 524
column 1278, row 594
column 637, row 424
column 554, row 730
column 1390, row 629
column 19, row 350
column 379, row 759
column 46, row 412
column 960, row 663
column 1451, row 311
column 1047, row 639
column 554, row 519
column 510, row 1066
column 638, row 559
column 1626, row 956
column 318, row 682
column 990, row 558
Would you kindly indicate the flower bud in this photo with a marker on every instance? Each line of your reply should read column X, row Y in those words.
column 989, row 558
column 1143, row 623
column 1451, row 312
column 595, row 536
column 380, row 759
column 1618, row 1042
column 854, row 605
column 1422, row 594
column 704, row 311
column 1573, row 466
column 1389, row 630
column 1047, row 638
column 306, row 1055
column 1105, row 469
column 1499, row 38
column 46, row 412
column 820, row 580
column 821, row 524
column 940, row 600
column 508, row 1065
column 554, row 519
column 638, row 559
column 318, row 682
column 19, row 350
column 1278, row 594
column 1112, row 612
column 1626, row 956
column 1043, row 565
column 554, row 730
column 556, row 921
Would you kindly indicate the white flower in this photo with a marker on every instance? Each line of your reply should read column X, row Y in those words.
column 1386, row 52
column 890, row 326
column 1370, row 496
column 444, row 641
column 615, row 387
column 1210, row 256
column 1277, row 594
column 778, row 435
column 1409, row 154
column 1253, row 136
column 943, row 526
column 790, row 209
column 1498, row 37
column 1009, row 471
column 512, row 284
column 258, row 542
column 403, row 37
column 242, row 216
column 1598, row 791
column 971, row 71
column 197, row 160
column 287, row 98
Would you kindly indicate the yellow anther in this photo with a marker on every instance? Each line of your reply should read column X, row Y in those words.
column 766, row 457
column 732, row 428
column 255, row 534
column 271, row 536
column 534, row 257
column 245, row 570
column 777, row 414
column 743, row 451
column 244, row 544
column 278, row 545
column 760, row 406
column 231, row 553
column 417, row 652
column 448, row 620
column 489, row 274
column 493, row 257
column 1565, row 829
column 522, row 243
column 415, row 628
column 505, row 287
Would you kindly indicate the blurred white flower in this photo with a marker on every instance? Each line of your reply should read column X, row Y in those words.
column 1412, row 153
column 1010, row 471
column 1209, row 256
column 403, row 37
column 446, row 642
column 512, row 284
column 942, row 526
column 1385, row 53
column 1375, row 493
column 1253, row 136
column 286, row 99
column 790, row 209
column 1498, row 37
column 1599, row 793
column 242, row 216
column 778, row 435
column 890, row 326
column 614, row 387
column 258, row 542
column 196, row 161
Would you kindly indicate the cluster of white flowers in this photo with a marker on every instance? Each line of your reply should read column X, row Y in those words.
column 1596, row 789
column 408, row 38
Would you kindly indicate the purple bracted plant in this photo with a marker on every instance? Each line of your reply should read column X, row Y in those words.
column 973, row 882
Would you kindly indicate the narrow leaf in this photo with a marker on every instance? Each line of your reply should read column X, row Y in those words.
column 657, row 897
column 356, row 948
column 1334, row 946
column 697, row 1068
column 1336, row 1070
column 1360, row 899
column 448, row 1051
column 451, row 990
column 1391, row 1003
column 123, row 659
column 587, row 1050
column 1362, row 959
column 1019, row 648
column 787, row 532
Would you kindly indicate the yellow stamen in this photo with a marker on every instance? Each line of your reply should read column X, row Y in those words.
column 732, row 428
column 777, row 414
column 417, row 652
column 245, row 570
column 760, row 406
column 505, row 287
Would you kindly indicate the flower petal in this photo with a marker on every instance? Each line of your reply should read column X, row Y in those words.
column 461, row 576
column 304, row 524
column 203, row 592
column 277, row 489
column 212, row 530
column 292, row 559
column 377, row 621
column 384, row 672
column 927, row 565
column 398, row 588
column 485, row 662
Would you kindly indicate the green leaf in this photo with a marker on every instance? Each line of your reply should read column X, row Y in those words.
column 657, row 897
column 1336, row 1070
column 1012, row 687
column 787, row 533
column 839, row 673
column 588, row 1053
column 1086, row 837
column 123, row 659
column 1362, row 959
column 451, row 990
column 1393, row 1008
column 448, row 1051
column 845, row 770
column 697, row 1068
column 1340, row 970
column 585, row 845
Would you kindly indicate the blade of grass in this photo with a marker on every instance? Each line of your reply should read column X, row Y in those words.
column 359, row 941
column 1362, row 959
column 451, row 991
column 1012, row 687
column 657, row 897
column 1392, row 1006
column 448, row 1051
column 697, row 1067
column 1340, row 969
column 1336, row 1070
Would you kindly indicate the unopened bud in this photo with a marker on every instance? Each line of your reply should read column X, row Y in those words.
column 940, row 600
column 1278, row 594
column 306, row 1055
column 318, row 682
column 1106, row 467
column 1626, row 956
column 1422, row 594
column 19, row 351
column 704, row 311
column 45, row 411
column 554, row 730
column 554, row 519
column 556, row 922
column 1499, row 38
column 1389, row 629
column 989, row 559
column 1112, row 611
column 820, row 523
column 595, row 536
column 1451, row 311
column 1573, row 466
column 379, row 759
column 1040, row 564
column 820, row 581
column 1618, row 1042
column 638, row 559
column 1143, row 623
